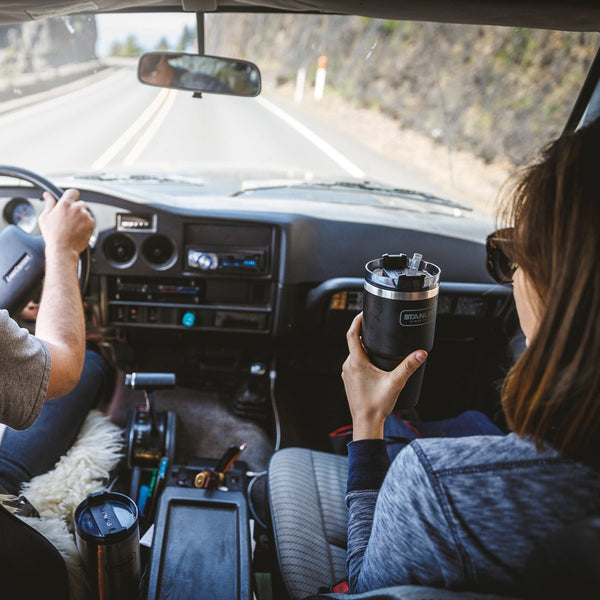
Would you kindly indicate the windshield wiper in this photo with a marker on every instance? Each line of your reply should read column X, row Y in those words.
column 142, row 177
column 365, row 186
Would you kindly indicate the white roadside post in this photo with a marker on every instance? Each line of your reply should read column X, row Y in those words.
column 320, row 77
column 300, row 79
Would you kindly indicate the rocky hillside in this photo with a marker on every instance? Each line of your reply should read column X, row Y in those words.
column 32, row 54
column 27, row 46
column 489, row 90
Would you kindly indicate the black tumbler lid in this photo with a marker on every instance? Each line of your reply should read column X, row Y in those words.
column 399, row 272
column 106, row 517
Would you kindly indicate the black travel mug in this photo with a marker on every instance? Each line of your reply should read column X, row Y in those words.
column 399, row 311
column 107, row 536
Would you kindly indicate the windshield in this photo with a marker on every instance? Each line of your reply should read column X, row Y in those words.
column 444, row 110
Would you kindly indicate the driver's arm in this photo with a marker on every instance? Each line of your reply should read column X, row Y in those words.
column 66, row 227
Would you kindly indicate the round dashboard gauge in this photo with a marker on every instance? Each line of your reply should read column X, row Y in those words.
column 20, row 212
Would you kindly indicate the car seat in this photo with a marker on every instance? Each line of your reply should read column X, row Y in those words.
column 30, row 566
column 309, row 516
column 309, row 519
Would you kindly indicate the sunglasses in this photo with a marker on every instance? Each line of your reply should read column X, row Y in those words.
column 500, row 267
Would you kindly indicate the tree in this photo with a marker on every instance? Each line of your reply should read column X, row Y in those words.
column 187, row 41
column 130, row 47
column 163, row 44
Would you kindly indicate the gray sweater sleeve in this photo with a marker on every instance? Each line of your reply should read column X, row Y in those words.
column 464, row 511
column 24, row 374
column 401, row 534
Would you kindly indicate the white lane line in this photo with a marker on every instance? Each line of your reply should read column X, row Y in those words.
column 131, row 131
column 143, row 142
column 319, row 142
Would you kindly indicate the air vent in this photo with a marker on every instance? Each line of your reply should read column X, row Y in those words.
column 159, row 251
column 119, row 249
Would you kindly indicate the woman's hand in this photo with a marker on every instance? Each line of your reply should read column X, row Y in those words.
column 371, row 392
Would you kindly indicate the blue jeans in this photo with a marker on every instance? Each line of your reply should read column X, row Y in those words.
column 25, row 454
column 398, row 432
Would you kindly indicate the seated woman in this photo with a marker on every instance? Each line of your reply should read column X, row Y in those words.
column 466, row 512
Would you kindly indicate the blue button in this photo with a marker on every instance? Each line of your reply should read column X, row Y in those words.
column 188, row 319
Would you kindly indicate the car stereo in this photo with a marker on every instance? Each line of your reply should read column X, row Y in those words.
column 228, row 261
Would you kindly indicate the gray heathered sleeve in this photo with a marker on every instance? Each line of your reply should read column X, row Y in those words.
column 402, row 535
column 361, row 507
column 24, row 374
column 464, row 511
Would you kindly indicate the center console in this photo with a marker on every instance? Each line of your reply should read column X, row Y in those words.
column 201, row 542
column 197, row 512
column 220, row 277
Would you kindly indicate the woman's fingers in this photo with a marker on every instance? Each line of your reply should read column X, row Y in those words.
column 407, row 367
column 353, row 337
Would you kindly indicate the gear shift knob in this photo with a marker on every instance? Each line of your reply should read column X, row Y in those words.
column 150, row 381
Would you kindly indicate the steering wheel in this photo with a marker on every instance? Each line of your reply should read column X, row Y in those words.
column 22, row 256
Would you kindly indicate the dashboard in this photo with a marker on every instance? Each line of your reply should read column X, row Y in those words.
column 209, row 287
column 175, row 267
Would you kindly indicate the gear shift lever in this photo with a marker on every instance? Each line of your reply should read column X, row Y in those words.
column 148, row 382
column 150, row 435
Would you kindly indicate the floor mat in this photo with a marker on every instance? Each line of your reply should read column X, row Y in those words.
column 206, row 425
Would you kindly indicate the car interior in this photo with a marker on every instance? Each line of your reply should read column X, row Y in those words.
column 222, row 310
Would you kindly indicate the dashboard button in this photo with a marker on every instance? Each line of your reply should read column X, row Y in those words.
column 188, row 319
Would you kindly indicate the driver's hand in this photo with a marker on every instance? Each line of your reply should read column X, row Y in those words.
column 66, row 225
column 371, row 392
column 30, row 312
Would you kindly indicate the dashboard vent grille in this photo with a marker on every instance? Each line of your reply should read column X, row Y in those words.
column 119, row 248
column 158, row 250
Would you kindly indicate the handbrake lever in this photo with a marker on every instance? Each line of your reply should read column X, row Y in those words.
column 213, row 478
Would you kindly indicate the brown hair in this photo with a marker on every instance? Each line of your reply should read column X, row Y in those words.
column 553, row 391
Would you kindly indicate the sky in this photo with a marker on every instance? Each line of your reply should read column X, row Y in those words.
column 148, row 29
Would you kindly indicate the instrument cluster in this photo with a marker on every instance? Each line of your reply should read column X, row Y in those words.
column 20, row 211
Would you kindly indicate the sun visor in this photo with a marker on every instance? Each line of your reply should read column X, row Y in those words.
column 577, row 15
column 15, row 11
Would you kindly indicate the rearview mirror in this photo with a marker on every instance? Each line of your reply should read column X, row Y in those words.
column 199, row 73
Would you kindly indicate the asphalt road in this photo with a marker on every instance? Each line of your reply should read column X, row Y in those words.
column 116, row 122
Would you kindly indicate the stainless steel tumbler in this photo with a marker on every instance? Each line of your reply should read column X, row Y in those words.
column 399, row 314
column 107, row 536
